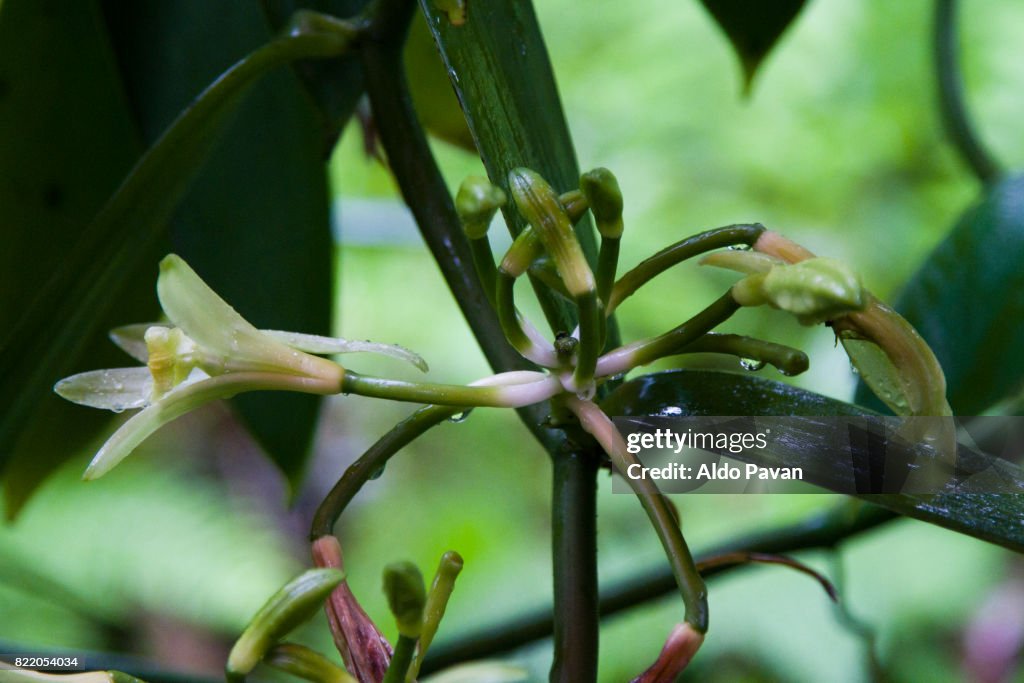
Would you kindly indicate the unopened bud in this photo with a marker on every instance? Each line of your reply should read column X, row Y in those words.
column 406, row 594
column 476, row 203
column 602, row 192
column 296, row 602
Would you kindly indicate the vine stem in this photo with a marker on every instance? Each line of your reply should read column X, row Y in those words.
column 952, row 105
column 691, row 585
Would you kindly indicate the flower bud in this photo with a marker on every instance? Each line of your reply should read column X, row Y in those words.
column 542, row 209
column 602, row 192
column 293, row 604
column 476, row 203
column 406, row 594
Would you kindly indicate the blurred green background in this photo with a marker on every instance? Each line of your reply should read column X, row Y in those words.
column 840, row 147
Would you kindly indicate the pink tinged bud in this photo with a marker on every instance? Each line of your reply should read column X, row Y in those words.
column 682, row 644
column 363, row 648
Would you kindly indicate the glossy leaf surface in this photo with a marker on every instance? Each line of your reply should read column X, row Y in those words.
column 992, row 517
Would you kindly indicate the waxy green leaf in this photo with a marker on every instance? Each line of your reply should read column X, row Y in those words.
column 991, row 517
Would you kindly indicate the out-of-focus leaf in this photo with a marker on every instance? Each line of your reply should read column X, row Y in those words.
column 432, row 93
column 336, row 84
column 753, row 28
column 967, row 301
column 255, row 223
column 499, row 66
column 992, row 517
column 66, row 140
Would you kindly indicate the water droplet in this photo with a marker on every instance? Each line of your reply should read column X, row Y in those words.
column 787, row 373
column 853, row 369
column 739, row 247
column 117, row 408
column 377, row 473
column 460, row 417
column 670, row 410
column 587, row 393
column 751, row 365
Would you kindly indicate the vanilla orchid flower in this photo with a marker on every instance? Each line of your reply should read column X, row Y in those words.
column 206, row 352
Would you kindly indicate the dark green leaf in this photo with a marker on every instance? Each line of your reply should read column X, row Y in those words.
column 336, row 84
column 66, row 140
column 500, row 69
column 967, row 301
column 753, row 28
column 992, row 517
column 255, row 223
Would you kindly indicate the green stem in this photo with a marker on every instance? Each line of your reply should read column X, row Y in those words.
column 505, row 396
column 405, row 648
column 607, row 263
column 591, row 341
column 788, row 360
column 437, row 602
column 674, row 341
column 370, row 463
column 483, row 261
column 952, row 105
column 649, row 268
column 823, row 530
column 574, row 547
column 688, row 579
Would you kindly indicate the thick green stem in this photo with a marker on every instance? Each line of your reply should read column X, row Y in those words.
column 952, row 103
column 788, row 360
column 607, row 263
column 649, row 268
column 574, row 547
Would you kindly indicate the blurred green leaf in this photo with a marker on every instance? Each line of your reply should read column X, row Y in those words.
column 753, row 28
column 992, row 517
column 336, row 84
column 255, row 222
column 66, row 140
column 967, row 301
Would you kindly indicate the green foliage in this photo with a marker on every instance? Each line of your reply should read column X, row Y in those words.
column 967, row 301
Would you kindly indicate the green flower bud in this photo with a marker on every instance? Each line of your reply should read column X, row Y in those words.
column 814, row 290
column 476, row 203
column 542, row 209
column 406, row 594
column 293, row 604
column 602, row 192
column 575, row 205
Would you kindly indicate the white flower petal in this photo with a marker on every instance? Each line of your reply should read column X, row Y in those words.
column 117, row 389
column 189, row 396
column 132, row 339
column 212, row 323
column 313, row 343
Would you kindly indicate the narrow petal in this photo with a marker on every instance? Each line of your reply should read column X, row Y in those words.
column 181, row 400
column 132, row 339
column 117, row 389
column 313, row 343
column 212, row 323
